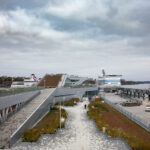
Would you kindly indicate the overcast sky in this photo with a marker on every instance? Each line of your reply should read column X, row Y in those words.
column 79, row 37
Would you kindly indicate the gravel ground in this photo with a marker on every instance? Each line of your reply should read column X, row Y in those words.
column 80, row 133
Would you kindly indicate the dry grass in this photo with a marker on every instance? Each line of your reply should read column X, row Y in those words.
column 118, row 125
column 70, row 102
column 48, row 125
column 51, row 81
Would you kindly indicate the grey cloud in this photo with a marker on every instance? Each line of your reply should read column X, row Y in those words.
column 75, row 37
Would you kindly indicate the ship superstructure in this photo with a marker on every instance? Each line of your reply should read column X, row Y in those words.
column 28, row 82
column 109, row 80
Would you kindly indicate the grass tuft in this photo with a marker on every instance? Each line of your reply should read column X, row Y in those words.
column 70, row 102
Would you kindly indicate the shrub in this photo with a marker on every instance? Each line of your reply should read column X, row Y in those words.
column 70, row 102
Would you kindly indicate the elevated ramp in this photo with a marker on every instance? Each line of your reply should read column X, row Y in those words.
column 15, row 121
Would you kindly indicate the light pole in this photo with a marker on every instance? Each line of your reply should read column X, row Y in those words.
column 63, row 100
column 60, row 113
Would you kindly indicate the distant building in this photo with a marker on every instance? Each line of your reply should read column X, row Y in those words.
column 28, row 82
column 109, row 80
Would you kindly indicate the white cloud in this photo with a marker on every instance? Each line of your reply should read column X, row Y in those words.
column 77, row 37
column 19, row 21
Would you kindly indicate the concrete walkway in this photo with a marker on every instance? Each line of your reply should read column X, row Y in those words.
column 13, row 123
column 80, row 133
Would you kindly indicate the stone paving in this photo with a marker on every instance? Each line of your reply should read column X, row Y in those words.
column 79, row 133
column 13, row 123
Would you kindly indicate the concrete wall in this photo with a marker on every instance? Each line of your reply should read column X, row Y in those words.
column 63, row 94
column 74, row 91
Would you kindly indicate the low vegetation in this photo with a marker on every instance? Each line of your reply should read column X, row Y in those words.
column 48, row 125
column 118, row 125
column 70, row 102
column 50, row 81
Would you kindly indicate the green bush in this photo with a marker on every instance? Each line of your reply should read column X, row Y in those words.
column 70, row 102
column 31, row 135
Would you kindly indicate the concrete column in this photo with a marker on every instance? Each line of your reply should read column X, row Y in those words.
column 11, row 109
column 121, row 93
column 149, row 97
column 117, row 91
column 130, row 93
column 134, row 94
column 16, row 106
column 0, row 117
column 138, row 94
column 7, row 111
column 3, row 112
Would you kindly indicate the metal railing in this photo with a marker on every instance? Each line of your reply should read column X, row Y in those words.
column 13, row 91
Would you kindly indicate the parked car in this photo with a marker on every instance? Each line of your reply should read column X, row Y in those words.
column 147, row 108
column 132, row 103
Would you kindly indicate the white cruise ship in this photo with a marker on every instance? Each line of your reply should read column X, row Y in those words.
column 109, row 80
column 28, row 82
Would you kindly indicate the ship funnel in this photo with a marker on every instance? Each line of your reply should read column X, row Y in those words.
column 103, row 72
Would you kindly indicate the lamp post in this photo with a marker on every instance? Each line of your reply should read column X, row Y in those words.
column 60, row 113
column 44, row 83
column 63, row 100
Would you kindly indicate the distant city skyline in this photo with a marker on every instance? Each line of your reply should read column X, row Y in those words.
column 79, row 37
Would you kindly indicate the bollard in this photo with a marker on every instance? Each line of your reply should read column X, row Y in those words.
column 104, row 129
